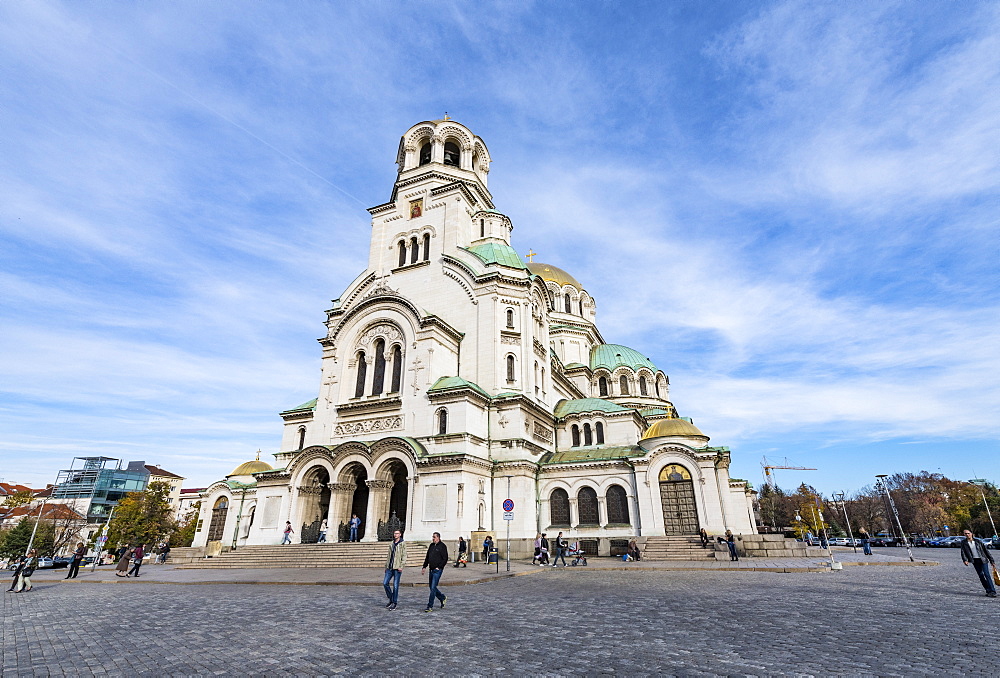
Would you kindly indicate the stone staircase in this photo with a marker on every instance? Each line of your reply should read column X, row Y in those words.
column 359, row 554
column 676, row 548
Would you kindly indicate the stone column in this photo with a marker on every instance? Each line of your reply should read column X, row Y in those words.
column 378, row 506
column 340, row 506
column 602, row 510
column 574, row 514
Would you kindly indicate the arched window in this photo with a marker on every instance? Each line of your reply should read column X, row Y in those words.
column 359, row 386
column 642, row 386
column 378, row 379
column 586, row 504
column 623, row 384
column 482, row 228
column 397, row 369
column 568, row 303
column 510, row 318
column 588, row 435
column 402, row 252
column 451, row 154
column 425, row 153
column 559, row 508
column 217, row 527
column 510, row 368
column 602, row 387
column 442, row 421
column 427, row 246
column 414, row 250
column 617, row 502
column 302, row 437
column 581, row 306
column 599, row 430
column 576, row 435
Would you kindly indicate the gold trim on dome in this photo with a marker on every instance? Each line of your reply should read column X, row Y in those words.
column 673, row 427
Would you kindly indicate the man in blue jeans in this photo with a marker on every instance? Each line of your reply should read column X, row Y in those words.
column 436, row 559
column 394, row 569
column 974, row 551
column 560, row 547
column 354, row 523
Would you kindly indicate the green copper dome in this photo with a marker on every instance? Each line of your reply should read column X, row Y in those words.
column 610, row 356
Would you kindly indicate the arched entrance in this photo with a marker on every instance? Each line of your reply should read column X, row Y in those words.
column 391, row 500
column 354, row 481
column 315, row 490
column 680, row 512
column 218, row 524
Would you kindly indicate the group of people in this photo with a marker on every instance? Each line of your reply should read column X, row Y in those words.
column 26, row 566
column 129, row 560
column 729, row 539
column 435, row 560
column 353, row 525
column 561, row 549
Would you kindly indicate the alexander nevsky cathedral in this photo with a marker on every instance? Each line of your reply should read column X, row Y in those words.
column 455, row 375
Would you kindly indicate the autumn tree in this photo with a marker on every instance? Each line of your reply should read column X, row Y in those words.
column 16, row 541
column 184, row 536
column 142, row 517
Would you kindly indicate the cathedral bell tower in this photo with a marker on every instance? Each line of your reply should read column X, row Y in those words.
column 440, row 200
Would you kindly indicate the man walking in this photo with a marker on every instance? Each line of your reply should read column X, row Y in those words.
column 354, row 523
column 137, row 556
column 866, row 542
column 394, row 569
column 560, row 550
column 973, row 551
column 287, row 539
column 436, row 559
column 74, row 565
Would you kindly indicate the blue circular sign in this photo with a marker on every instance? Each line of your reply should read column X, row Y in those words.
column 508, row 504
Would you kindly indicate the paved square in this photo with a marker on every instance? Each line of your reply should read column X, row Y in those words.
column 887, row 620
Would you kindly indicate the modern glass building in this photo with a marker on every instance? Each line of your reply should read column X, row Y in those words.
column 100, row 482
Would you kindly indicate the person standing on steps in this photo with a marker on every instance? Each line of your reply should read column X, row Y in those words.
column 436, row 559
column 731, row 543
column 287, row 539
column 322, row 532
column 975, row 552
column 354, row 523
column 560, row 547
column 74, row 565
column 394, row 569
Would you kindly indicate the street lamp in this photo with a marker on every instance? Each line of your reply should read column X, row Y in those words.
column 839, row 496
column 880, row 484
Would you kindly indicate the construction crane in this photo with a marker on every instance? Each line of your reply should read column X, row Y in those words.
column 769, row 477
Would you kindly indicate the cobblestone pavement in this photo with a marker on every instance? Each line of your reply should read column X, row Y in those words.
column 862, row 620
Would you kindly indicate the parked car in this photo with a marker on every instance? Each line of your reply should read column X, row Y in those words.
column 840, row 541
column 61, row 561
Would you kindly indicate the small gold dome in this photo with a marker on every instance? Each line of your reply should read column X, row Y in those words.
column 551, row 273
column 673, row 427
column 250, row 467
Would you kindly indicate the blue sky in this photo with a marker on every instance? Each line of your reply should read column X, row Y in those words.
column 791, row 208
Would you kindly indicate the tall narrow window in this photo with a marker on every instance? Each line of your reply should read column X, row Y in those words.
column 359, row 386
column 617, row 502
column 623, row 384
column 425, row 153
column 402, row 252
column 414, row 250
column 482, row 228
column 602, row 387
column 510, row 318
column 568, row 303
column 442, row 421
column 586, row 504
column 588, row 435
column 559, row 508
column 656, row 385
column 302, row 437
column 510, row 368
column 397, row 369
column 581, row 307
column 599, row 429
column 378, row 379
column 576, row 435
column 427, row 246
column 642, row 386
column 451, row 154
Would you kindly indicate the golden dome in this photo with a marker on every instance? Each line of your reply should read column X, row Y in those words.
column 551, row 273
column 673, row 427
column 250, row 467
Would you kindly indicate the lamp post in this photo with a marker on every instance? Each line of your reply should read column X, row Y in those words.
column 839, row 496
column 880, row 483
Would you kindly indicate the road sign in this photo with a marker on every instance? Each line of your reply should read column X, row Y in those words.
column 508, row 515
column 508, row 505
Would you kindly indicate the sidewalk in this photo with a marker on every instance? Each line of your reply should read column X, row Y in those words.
column 475, row 573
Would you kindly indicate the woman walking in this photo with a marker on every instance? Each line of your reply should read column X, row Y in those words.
column 17, row 574
column 462, row 556
column 24, row 583
column 123, row 562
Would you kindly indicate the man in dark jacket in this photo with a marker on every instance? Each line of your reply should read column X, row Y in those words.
column 137, row 556
column 975, row 552
column 436, row 559
column 74, row 565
